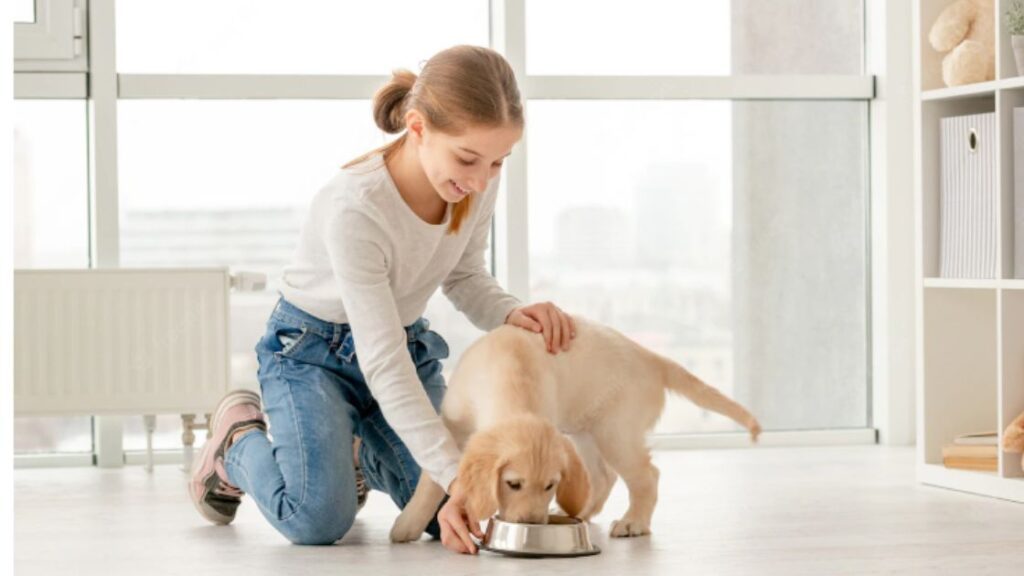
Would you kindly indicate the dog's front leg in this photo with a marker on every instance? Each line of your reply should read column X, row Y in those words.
column 418, row 512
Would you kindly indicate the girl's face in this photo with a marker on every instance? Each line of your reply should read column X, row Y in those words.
column 460, row 165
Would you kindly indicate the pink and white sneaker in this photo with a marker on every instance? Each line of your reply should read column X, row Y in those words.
column 213, row 496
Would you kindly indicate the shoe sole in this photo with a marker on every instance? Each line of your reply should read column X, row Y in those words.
column 229, row 401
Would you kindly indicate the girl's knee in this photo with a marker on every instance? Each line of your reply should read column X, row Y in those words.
column 318, row 527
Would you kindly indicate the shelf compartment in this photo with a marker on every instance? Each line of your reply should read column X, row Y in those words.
column 1011, row 393
column 931, row 59
column 1006, row 65
column 960, row 366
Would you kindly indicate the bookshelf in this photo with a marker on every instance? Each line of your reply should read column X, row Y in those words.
column 970, row 332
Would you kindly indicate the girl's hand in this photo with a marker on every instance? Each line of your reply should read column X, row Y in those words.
column 455, row 523
column 558, row 327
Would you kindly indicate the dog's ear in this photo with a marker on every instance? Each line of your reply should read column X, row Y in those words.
column 479, row 473
column 574, row 488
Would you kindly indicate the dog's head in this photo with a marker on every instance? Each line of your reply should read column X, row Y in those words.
column 517, row 467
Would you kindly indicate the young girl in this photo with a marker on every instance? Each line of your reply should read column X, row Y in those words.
column 349, row 371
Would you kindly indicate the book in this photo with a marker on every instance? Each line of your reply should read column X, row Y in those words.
column 988, row 438
column 978, row 464
column 969, row 451
column 979, row 453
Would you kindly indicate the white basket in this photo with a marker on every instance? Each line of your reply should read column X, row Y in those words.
column 969, row 201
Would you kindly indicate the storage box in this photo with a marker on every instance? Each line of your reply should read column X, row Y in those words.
column 969, row 199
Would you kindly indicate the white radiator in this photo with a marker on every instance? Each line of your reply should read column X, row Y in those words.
column 122, row 341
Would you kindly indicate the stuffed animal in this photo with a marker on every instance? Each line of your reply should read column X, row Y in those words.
column 1013, row 437
column 966, row 30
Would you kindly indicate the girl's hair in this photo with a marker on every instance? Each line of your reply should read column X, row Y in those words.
column 459, row 87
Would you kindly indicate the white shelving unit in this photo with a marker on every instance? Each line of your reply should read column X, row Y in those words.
column 970, row 332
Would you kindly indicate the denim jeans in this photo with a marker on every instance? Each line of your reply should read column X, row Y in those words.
column 300, row 473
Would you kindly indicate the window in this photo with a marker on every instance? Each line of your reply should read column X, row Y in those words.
column 51, row 184
column 729, row 233
column 727, row 236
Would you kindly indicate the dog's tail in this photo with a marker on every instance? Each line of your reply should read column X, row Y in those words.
column 681, row 380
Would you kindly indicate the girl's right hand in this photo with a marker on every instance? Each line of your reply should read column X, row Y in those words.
column 456, row 526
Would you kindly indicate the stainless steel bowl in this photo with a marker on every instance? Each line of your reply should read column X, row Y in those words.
column 562, row 536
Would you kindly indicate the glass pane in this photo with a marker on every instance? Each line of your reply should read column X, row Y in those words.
column 695, row 37
column 52, row 434
column 293, row 37
column 226, row 183
column 25, row 11
column 51, row 230
column 730, row 237
column 51, row 184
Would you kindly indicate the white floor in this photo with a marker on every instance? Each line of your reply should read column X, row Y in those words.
column 844, row 510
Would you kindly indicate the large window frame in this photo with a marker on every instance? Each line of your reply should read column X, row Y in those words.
column 91, row 74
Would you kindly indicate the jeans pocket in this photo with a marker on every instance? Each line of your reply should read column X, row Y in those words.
column 288, row 339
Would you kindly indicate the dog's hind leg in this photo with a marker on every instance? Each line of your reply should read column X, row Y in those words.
column 626, row 452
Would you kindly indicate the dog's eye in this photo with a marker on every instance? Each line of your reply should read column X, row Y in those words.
column 514, row 484
column 550, row 486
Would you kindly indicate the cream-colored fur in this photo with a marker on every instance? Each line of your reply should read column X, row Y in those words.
column 966, row 31
column 607, row 392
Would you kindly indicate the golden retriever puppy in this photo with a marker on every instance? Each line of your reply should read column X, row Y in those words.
column 517, row 467
column 509, row 402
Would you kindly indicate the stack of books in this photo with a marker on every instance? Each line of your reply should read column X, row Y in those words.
column 976, row 451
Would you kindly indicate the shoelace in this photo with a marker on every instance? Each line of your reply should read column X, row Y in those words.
column 223, row 488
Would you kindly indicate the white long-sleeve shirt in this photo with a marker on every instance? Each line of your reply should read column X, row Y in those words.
column 366, row 259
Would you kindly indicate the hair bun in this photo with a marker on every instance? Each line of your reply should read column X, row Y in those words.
column 389, row 101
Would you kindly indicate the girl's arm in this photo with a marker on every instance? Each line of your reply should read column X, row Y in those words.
column 357, row 248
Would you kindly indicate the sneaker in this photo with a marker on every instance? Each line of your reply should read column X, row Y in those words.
column 362, row 489
column 213, row 496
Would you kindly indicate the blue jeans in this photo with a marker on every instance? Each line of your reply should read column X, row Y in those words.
column 316, row 398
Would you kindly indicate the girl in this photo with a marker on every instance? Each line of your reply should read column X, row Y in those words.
column 350, row 373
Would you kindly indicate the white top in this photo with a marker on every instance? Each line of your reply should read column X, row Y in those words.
column 366, row 259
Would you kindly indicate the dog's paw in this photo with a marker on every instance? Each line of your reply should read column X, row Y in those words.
column 406, row 529
column 625, row 528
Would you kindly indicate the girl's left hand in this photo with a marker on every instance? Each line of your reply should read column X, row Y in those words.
column 558, row 327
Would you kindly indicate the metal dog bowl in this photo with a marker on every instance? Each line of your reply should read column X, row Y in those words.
column 562, row 537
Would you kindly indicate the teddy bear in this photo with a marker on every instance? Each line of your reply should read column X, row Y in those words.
column 1013, row 437
column 966, row 30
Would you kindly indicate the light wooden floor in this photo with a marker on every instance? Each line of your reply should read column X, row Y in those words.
column 844, row 510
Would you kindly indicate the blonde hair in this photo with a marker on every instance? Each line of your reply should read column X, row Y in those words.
column 460, row 87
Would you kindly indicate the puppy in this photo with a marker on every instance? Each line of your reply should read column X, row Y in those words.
column 510, row 401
